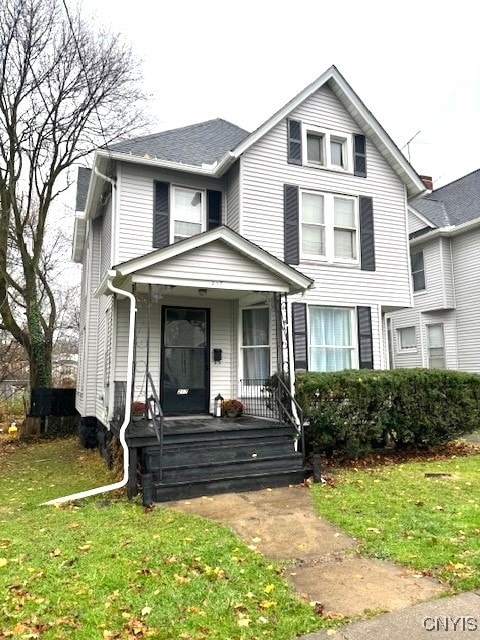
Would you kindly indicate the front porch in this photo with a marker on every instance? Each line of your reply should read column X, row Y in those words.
column 211, row 323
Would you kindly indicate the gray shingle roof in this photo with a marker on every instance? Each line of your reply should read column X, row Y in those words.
column 454, row 203
column 197, row 144
column 83, row 181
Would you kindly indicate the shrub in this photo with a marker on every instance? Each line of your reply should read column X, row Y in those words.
column 351, row 412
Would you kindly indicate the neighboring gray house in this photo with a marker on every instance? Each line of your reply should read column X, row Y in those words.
column 246, row 254
column 443, row 328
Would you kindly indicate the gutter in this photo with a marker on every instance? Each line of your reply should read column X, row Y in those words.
column 126, row 418
column 446, row 232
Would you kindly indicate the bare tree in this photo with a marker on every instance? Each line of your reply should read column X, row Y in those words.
column 65, row 88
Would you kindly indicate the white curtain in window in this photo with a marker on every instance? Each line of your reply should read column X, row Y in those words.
column 330, row 339
column 256, row 343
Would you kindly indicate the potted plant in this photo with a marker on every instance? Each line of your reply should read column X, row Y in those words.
column 138, row 410
column 232, row 408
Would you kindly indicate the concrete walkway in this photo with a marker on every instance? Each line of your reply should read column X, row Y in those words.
column 323, row 563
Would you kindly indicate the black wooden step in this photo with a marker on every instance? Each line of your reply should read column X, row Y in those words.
column 232, row 468
column 246, row 433
column 193, row 453
column 190, row 489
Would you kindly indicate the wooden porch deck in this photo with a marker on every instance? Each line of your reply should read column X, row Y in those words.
column 205, row 455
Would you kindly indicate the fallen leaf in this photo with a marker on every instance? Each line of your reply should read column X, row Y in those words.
column 146, row 611
column 243, row 622
column 55, row 553
column 269, row 588
column 3, row 562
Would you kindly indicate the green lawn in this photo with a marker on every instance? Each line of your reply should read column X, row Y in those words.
column 104, row 568
column 431, row 524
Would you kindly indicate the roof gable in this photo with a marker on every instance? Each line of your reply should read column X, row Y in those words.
column 360, row 114
column 239, row 253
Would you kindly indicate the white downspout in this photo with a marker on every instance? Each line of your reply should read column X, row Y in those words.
column 126, row 419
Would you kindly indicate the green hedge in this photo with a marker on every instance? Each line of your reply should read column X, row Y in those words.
column 352, row 412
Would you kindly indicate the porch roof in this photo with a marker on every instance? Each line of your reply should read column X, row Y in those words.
column 216, row 260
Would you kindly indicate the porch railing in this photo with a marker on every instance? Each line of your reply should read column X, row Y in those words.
column 155, row 413
column 271, row 398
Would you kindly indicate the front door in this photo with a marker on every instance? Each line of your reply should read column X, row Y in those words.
column 185, row 361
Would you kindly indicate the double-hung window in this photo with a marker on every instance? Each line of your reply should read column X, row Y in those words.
column 327, row 149
column 329, row 225
column 418, row 271
column 188, row 213
column 331, row 339
column 436, row 346
column 255, row 344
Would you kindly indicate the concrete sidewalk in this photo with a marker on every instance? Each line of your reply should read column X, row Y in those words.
column 455, row 617
column 323, row 563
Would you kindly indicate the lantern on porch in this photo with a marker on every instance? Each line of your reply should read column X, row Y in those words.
column 218, row 406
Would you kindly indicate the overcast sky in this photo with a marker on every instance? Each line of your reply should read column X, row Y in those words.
column 414, row 64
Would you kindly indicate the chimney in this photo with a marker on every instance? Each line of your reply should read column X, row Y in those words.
column 428, row 182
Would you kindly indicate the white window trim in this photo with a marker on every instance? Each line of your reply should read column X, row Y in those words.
column 241, row 309
column 329, row 225
column 427, row 335
column 328, row 136
column 353, row 314
column 174, row 187
column 401, row 349
column 424, row 290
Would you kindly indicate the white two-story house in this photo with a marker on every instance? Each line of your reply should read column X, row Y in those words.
column 442, row 330
column 213, row 257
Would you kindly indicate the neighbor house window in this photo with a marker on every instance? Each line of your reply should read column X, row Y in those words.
column 188, row 213
column 418, row 271
column 407, row 338
column 256, row 343
column 329, row 227
column 331, row 339
column 326, row 149
column 436, row 346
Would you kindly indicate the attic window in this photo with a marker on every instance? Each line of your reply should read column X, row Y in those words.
column 327, row 149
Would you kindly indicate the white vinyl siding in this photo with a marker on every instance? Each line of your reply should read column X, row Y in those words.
column 106, row 239
column 135, row 215
column 415, row 223
column 219, row 265
column 91, row 324
column 233, row 196
column 265, row 170
column 465, row 251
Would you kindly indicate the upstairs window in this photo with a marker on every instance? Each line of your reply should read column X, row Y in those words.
column 329, row 227
column 418, row 271
column 188, row 213
column 327, row 149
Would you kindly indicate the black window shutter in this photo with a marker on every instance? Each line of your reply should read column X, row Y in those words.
column 291, row 221
column 294, row 134
column 359, row 155
column 161, row 215
column 299, row 323
column 365, row 340
column 367, row 235
column 214, row 209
